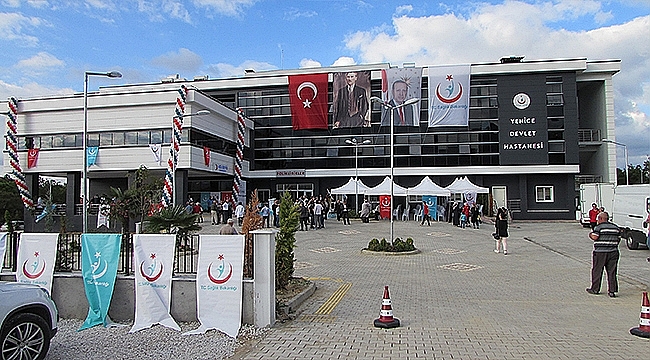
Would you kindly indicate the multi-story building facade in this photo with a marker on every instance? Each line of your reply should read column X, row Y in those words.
column 529, row 154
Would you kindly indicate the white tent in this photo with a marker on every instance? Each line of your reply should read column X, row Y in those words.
column 428, row 187
column 350, row 188
column 463, row 185
column 384, row 189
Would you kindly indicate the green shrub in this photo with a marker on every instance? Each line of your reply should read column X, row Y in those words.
column 398, row 245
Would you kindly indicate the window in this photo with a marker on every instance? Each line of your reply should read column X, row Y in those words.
column 544, row 193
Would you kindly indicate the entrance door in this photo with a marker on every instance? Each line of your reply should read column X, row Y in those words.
column 499, row 197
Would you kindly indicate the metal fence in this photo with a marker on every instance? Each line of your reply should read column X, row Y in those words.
column 68, row 255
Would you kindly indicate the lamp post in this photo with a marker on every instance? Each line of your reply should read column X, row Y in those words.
column 172, row 140
column 627, row 175
column 356, row 144
column 392, row 109
column 84, row 200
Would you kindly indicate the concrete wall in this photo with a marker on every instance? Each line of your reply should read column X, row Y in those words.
column 70, row 298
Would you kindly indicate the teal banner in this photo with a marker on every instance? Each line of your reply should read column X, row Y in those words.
column 432, row 204
column 100, row 255
column 91, row 155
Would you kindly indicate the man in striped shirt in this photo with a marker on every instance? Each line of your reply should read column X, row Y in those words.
column 606, row 237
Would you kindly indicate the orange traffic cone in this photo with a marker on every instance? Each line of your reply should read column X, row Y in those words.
column 386, row 319
column 644, row 322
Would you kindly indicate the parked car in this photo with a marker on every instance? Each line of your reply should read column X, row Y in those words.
column 29, row 320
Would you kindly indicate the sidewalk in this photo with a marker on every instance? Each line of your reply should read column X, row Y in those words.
column 458, row 299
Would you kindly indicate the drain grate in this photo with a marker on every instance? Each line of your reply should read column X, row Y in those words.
column 449, row 251
column 325, row 250
column 302, row 265
column 349, row 232
column 460, row 267
column 438, row 234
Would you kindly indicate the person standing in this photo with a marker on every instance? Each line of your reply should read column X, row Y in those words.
column 276, row 213
column 606, row 237
column 501, row 227
column 265, row 212
column 304, row 217
column 337, row 209
column 345, row 215
column 593, row 212
column 365, row 211
column 229, row 228
column 318, row 215
column 240, row 210
column 474, row 216
column 425, row 214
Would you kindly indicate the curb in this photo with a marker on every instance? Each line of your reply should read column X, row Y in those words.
column 390, row 253
column 293, row 303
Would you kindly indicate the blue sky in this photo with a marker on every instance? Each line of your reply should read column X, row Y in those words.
column 48, row 44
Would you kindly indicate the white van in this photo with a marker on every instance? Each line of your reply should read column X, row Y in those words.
column 631, row 208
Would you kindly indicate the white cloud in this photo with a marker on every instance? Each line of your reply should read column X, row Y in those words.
column 344, row 61
column 40, row 61
column 30, row 90
column 222, row 70
column 309, row 63
column 182, row 61
column 516, row 27
column 156, row 10
column 13, row 25
column 294, row 14
column 403, row 9
column 226, row 7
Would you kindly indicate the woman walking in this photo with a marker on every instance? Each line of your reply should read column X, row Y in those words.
column 425, row 214
column 501, row 225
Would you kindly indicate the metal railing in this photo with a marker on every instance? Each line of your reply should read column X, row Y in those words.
column 589, row 135
column 68, row 255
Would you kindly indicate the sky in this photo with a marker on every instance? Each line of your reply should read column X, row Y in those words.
column 48, row 44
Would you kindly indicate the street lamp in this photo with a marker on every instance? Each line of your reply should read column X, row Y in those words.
column 356, row 144
column 627, row 175
column 173, row 140
column 392, row 109
column 84, row 200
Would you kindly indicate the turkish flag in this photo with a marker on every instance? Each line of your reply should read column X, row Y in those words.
column 308, row 98
column 206, row 155
column 384, row 206
column 32, row 157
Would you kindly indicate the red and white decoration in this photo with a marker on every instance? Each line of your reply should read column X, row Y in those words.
column 177, row 123
column 36, row 258
column 308, row 99
column 32, row 157
column 12, row 149
column 154, row 260
column 206, row 156
column 219, row 283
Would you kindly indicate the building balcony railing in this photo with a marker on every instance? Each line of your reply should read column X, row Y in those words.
column 589, row 135
column 587, row 179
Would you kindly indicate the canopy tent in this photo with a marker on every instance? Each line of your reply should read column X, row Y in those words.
column 428, row 187
column 350, row 188
column 384, row 189
column 463, row 185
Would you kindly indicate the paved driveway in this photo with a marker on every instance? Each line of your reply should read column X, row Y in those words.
column 458, row 299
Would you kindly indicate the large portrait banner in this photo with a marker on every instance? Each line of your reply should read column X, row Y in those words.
column 397, row 86
column 351, row 99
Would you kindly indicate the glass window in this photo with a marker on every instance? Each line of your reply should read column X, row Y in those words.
column 71, row 140
column 131, row 138
column 544, row 193
column 93, row 140
column 105, row 139
column 57, row 141
column 555, row 100
column 46, row 142
column 143, row 137
column 156, row 136
column 118, row 138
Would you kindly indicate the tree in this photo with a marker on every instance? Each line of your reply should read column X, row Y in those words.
column 173, row 219
column 285, row 241
column 252, row 221
column 10, row 200
column 55, row 190
column 137, row 201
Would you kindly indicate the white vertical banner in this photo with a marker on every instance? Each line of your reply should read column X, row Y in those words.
column 219, row 283
column 154, row 261
column 449, row 95
column 36, row 259
column 3, row 248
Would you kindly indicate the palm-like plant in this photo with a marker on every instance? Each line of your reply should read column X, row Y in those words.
column 173, row 219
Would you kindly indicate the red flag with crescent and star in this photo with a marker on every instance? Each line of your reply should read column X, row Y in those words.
column 32, row 157
column 206, row 155
column 308, row 98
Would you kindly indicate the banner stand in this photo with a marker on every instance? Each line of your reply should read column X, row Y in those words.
column 264, row 276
